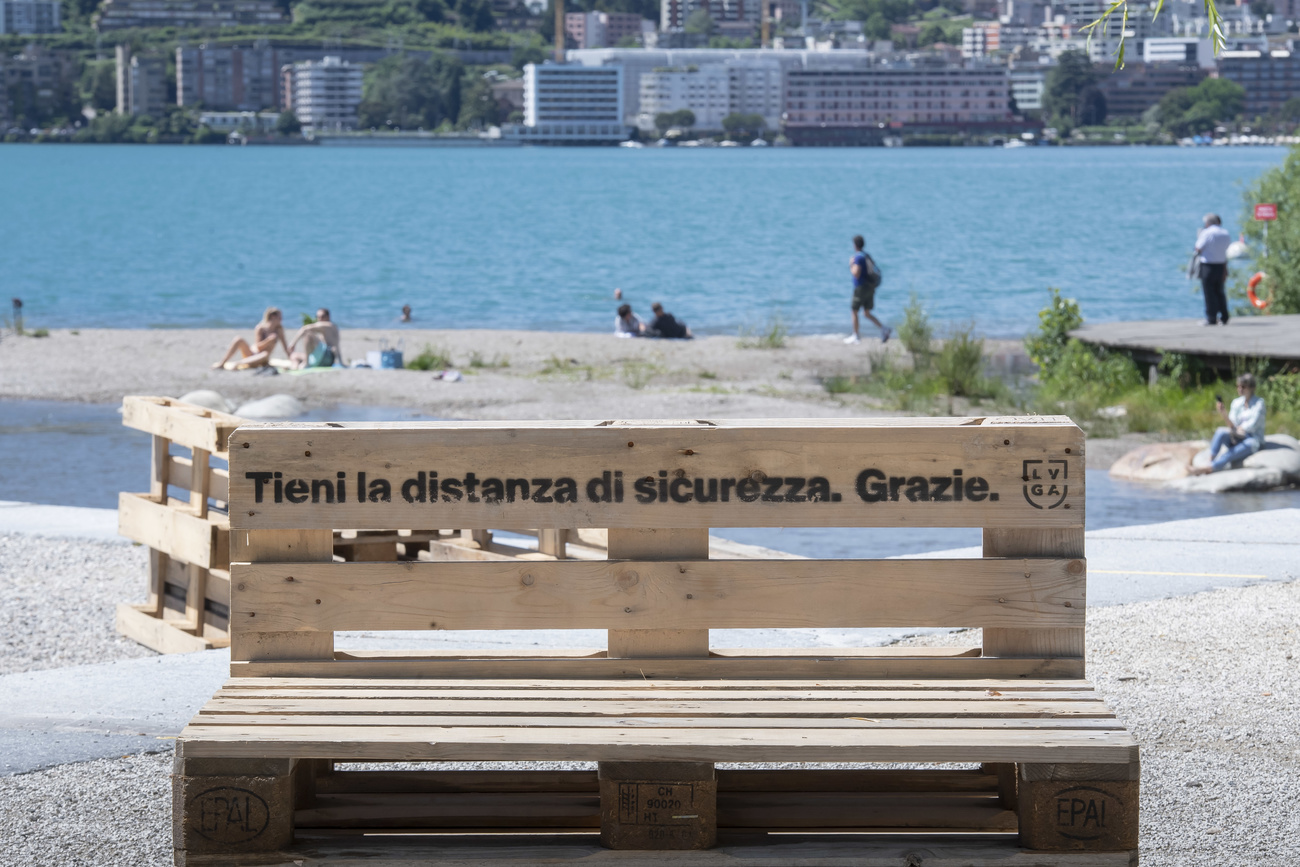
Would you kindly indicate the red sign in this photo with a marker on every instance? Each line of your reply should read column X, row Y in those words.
column 1266, row 212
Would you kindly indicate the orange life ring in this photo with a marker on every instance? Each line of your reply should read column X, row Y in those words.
column 1254, row 299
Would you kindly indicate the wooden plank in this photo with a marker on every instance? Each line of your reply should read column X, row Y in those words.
column 157, row 582
column 400, row 743
column 208, row 719
column 649, row 595
column 254, row 642
column 829, row 666
column 865, row 708
column 199, row 483
column 142, row 626
column 1043, row 639
column 169, row 528
column 921, row 686
column 161, row 459
column 665, row 639
column 857, row 472
column 316, row 848
column 184, row 424
column 553, row 542
column 633, row 691
column 181, row 471
column 196, row 598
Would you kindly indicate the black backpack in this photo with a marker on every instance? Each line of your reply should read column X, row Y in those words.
column 871, row 272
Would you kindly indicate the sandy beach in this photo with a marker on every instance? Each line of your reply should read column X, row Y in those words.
column 507, row 374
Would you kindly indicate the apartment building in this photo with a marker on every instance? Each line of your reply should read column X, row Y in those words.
column 230, row 78
column 30, row 16
column 1269, row 78
column 713, row 91
column 570, row 104
column 856, row 106
column 141, row 83
column 35, row 82
column 324, row 94
column 604, row 29
column 636, row 63
column 1027, row 85
column 119, row 14
column 733, row 17
column 1139, row 86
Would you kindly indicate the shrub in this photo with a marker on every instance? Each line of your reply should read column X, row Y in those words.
column 960, row 363
column 770, row 335
column 915, row 333
column 1055, row 322
column 432, row 358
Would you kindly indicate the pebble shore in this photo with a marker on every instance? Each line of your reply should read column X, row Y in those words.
column 1209, row 684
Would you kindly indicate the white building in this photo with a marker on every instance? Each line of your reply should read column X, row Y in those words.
column 324, row 94
column 30, row 16
column 570, row 104
column 1027, row 84
column 712, row 91
column 1179, row 49
column 638, row 62
column 231, row 121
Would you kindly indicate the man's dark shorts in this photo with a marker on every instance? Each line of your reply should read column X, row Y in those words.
column 864, row 297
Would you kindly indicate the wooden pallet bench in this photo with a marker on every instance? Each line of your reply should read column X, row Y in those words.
column 666, row 746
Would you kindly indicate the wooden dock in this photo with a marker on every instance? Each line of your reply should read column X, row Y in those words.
column 1273, row 337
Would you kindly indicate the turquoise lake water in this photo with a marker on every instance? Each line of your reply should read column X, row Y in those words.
column 538, row 238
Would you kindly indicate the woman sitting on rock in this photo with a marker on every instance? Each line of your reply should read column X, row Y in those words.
column 1244, row 434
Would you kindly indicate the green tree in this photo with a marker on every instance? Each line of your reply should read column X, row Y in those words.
column 1063, row 92
column 403, row 92
column 98, row 84
column 478, row 109
column 1186, row 111
column 1279, row 258
column 877, row 26
column 741, row 124
column 287, row 123
column 699, row 21
column 683, row 118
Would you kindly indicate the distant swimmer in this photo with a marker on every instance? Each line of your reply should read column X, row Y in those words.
column 866, row 277
column 1212, row 244
column 265, row 335
column 618, row 294
column 321, row 347
column 406, row 313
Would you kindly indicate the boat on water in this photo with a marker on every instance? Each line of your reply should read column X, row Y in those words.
column 758, row 143
column 1015, row 143
column 630, row 144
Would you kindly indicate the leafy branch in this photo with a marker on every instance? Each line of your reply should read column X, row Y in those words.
column 1211, row 13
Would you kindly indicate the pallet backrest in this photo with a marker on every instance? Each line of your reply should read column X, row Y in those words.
column 204, row 432
column 658, row 486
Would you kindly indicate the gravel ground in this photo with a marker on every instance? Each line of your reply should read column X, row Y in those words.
column 57, row 599
column 1210, row 685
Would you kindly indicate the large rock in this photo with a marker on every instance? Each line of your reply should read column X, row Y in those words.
column 208, row 399
column 1157, row 462
column 1276, row 465
column 277, row 406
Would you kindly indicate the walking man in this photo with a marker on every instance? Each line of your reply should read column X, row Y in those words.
column 866, row 277
column 1212, row 246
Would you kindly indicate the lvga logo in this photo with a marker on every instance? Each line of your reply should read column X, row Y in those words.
column 1045, row 482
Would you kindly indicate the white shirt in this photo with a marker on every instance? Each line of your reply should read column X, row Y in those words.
column 1248, row 417
column 1212, row 243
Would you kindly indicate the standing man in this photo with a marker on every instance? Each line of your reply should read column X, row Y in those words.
column 1212, row 246
column 866, row 277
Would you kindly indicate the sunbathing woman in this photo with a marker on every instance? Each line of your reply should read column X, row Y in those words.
column 265, row 335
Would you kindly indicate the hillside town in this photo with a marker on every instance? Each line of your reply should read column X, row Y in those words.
column 833, row 72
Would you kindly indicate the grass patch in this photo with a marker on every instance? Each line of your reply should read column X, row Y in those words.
column 770, row 335
column 637, row 374
column 431, row 358
column 708, row 374
column 496, row 362
column 40, row 332
column 572, row 368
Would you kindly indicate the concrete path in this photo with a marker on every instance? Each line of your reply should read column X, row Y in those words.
column 134, row 706
column 71, row 522
column 1275, row 337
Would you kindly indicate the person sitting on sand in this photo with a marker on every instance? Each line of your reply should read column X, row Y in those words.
column 626, row 324
column 265, row 335
column 1244, row 434
column 666, row 325
column 321, row 348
